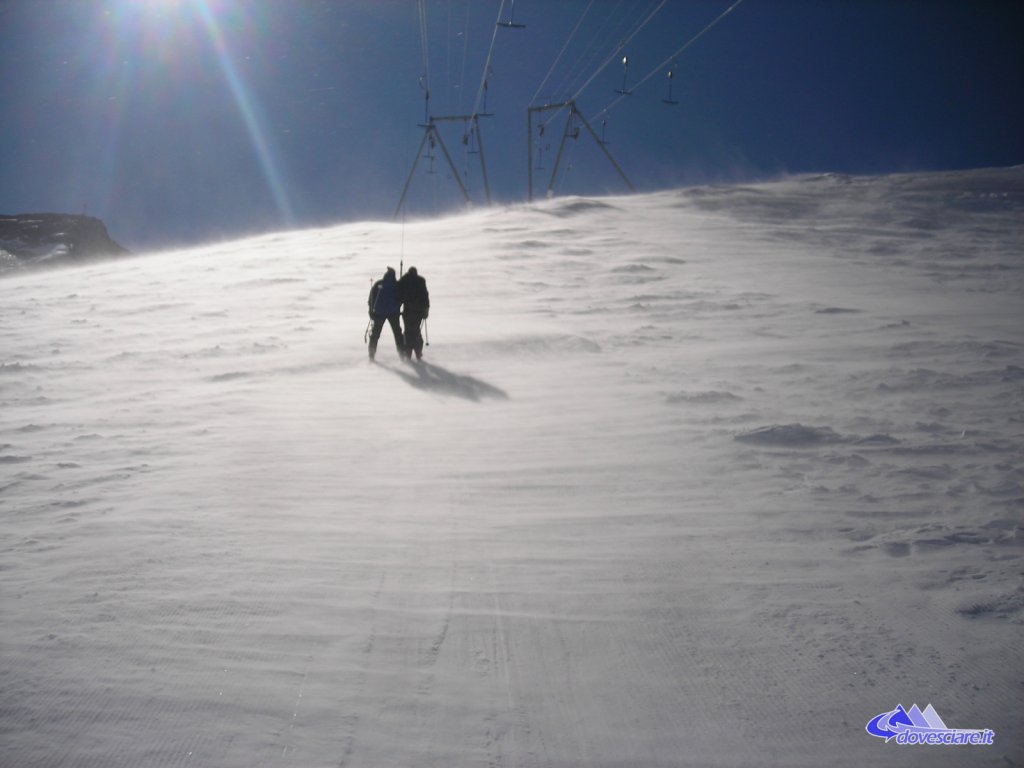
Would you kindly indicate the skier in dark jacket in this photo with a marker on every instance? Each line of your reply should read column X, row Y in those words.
column 412, row 293
column 384, row 305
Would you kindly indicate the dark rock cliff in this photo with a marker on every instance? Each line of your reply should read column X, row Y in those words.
column 33, row 240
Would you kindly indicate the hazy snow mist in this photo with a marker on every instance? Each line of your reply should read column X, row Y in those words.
column 708, row 477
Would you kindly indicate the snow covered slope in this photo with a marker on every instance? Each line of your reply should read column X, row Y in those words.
column 708, row 477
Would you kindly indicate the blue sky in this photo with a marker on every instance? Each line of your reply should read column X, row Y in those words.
column 181, row 121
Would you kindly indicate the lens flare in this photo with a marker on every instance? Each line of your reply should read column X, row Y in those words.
column 247, row 109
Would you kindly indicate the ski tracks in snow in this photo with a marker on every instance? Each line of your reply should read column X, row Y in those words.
column 451, row 676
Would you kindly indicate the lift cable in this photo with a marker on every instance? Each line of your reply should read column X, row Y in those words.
column 425, row 51
column 606, row 32
column 448, row 56
column 558, row 58
column 619, row 36
column 671, row 58
column 616, row 52
column 619, row 48
column 487, row 64
column 465, row 48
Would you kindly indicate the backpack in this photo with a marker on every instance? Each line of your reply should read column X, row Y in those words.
column 413, row 290
column 373, row 296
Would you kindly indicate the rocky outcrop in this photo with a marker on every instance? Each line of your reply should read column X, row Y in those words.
column 33, row 240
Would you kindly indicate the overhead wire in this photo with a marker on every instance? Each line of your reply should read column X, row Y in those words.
column 638, row 27
column 572, row 79
column 462, row 82
column 424, row 40
column 465, row 48
column 487, row 63
column 619, row 48
column 669, row 60
column 590, row 53
column 448, row 57
column 633, row 33
column 558, row 58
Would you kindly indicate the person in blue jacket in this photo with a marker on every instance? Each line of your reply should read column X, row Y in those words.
column 383, row 305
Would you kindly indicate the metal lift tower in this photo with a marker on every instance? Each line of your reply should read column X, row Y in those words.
column 566, row 134
column 430, row 132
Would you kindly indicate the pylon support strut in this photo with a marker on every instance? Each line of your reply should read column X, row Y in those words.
column 573, row 112
column 430, row 130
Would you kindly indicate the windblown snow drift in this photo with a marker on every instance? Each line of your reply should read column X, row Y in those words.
column 705, row 477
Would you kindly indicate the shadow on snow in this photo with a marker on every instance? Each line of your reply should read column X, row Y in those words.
column 434, row 378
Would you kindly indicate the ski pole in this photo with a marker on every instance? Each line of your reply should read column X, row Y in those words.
column 426, row 331
column 366, row 334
